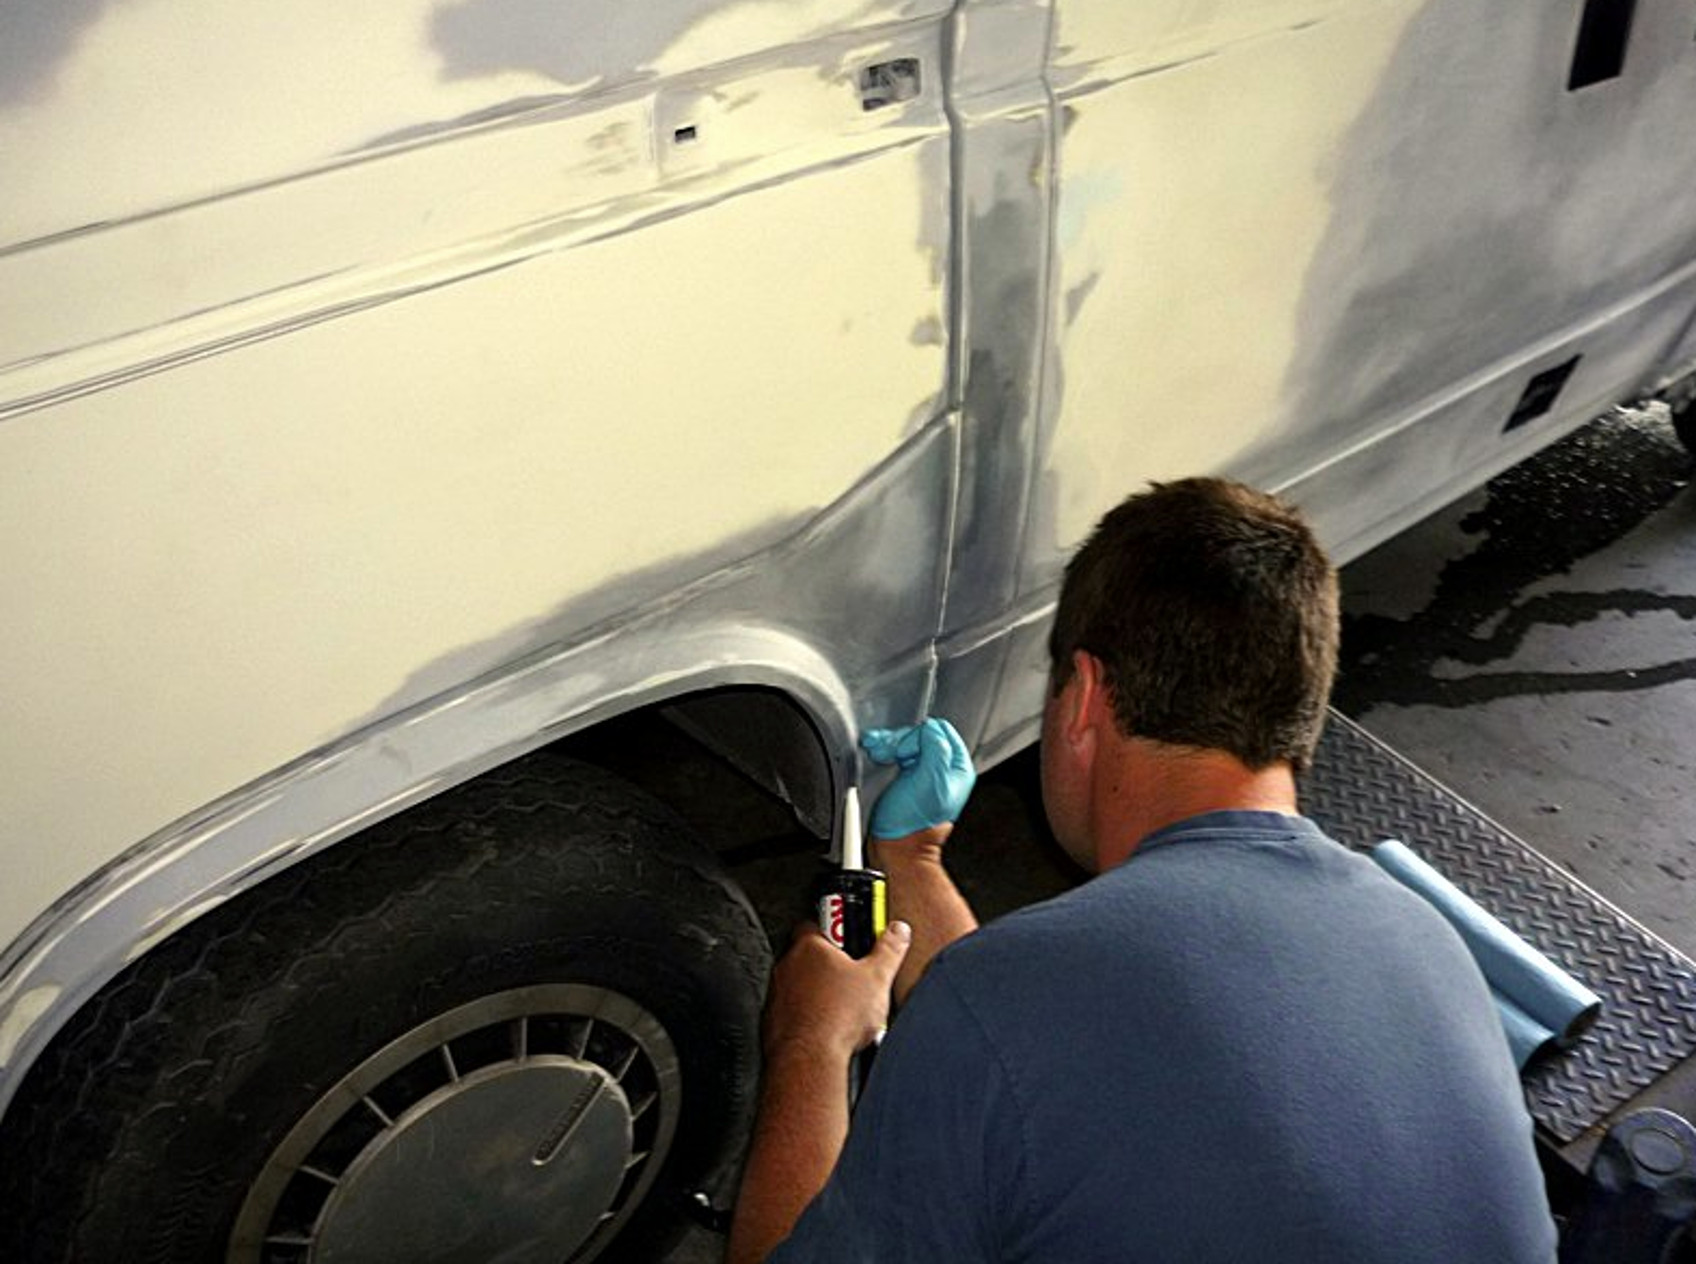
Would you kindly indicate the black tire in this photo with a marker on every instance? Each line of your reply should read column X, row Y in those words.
column 146, row 1127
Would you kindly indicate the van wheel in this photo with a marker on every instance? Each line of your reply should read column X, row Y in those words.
column 520, row 1022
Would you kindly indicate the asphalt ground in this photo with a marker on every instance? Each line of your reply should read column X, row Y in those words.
column 1532, row 647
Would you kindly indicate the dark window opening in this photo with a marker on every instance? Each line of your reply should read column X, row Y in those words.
column 1603, row 33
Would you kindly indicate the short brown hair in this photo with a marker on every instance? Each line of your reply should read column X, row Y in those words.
column 1213, row 611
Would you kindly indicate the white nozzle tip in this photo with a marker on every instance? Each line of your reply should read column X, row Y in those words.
column 853, row 843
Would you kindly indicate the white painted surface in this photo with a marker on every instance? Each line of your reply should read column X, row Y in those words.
column 111, row 110
column 383, row 428
column 1298, row 229
column 1192, row 201
column 348, row 358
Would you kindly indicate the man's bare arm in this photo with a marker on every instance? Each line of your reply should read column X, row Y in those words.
column 798, row 1135
column 823, row 1007
column 923, row 895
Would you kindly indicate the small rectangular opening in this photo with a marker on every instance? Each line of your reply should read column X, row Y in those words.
column 1540, row 394
column 1603, row 33
column 890, row 82
column 683, row 135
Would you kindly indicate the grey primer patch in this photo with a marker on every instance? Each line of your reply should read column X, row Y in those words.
column 1401, row 252
column 927, row 333
column 517, row 108
column 1079, row 294
column 604, row 41
column 36, row 38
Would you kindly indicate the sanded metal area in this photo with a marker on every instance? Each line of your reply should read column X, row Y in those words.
column 1361, row 792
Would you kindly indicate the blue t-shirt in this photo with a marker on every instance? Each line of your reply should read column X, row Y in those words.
column 1244, row 1044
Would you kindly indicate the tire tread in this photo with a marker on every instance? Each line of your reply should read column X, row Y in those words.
column 204, row 1004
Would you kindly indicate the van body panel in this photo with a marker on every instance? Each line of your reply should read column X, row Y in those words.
column 404, row 388
column 766, row 620
column 1326, row 215
column 288, row 449
column 256, row 97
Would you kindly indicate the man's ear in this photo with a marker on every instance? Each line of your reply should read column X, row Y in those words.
column 1085, row 702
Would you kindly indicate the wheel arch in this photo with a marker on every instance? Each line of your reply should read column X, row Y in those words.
column 165, row 883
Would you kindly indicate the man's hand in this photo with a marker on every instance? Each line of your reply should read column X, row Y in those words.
column 935, row 781
column 912, row 819
column 823, row 1008
column 824, row 1003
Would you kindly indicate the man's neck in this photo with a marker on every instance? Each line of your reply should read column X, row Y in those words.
column 1147, row 786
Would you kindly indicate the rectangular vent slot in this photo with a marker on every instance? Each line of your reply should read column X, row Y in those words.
column 1540, row 394
column 890, row 82
column 1602, row 36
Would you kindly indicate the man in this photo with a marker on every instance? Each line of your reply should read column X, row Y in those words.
column 1239, row 1042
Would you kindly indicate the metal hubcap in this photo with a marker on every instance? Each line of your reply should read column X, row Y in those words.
column 524, row 1126
column 522, row 1159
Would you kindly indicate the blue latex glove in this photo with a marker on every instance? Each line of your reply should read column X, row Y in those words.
column 935, row 780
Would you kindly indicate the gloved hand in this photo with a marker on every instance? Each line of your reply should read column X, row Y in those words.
column 935, row 780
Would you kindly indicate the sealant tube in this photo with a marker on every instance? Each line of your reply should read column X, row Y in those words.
column 852, row 906
column 853, row 909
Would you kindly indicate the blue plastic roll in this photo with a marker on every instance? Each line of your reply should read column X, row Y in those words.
column 1543, row 1002
column 1525, row 1034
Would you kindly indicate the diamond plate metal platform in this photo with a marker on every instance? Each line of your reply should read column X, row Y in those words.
column 1361, row 792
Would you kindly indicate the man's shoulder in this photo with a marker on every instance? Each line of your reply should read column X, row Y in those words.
column 1030, row 948
column 1197, row 885
column 1205, row 850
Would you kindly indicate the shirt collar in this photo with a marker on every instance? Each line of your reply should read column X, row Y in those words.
column 1237, row 823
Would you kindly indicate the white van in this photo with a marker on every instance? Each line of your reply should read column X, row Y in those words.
column 389, row 390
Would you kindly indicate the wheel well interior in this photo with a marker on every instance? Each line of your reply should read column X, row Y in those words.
column 743, row 766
